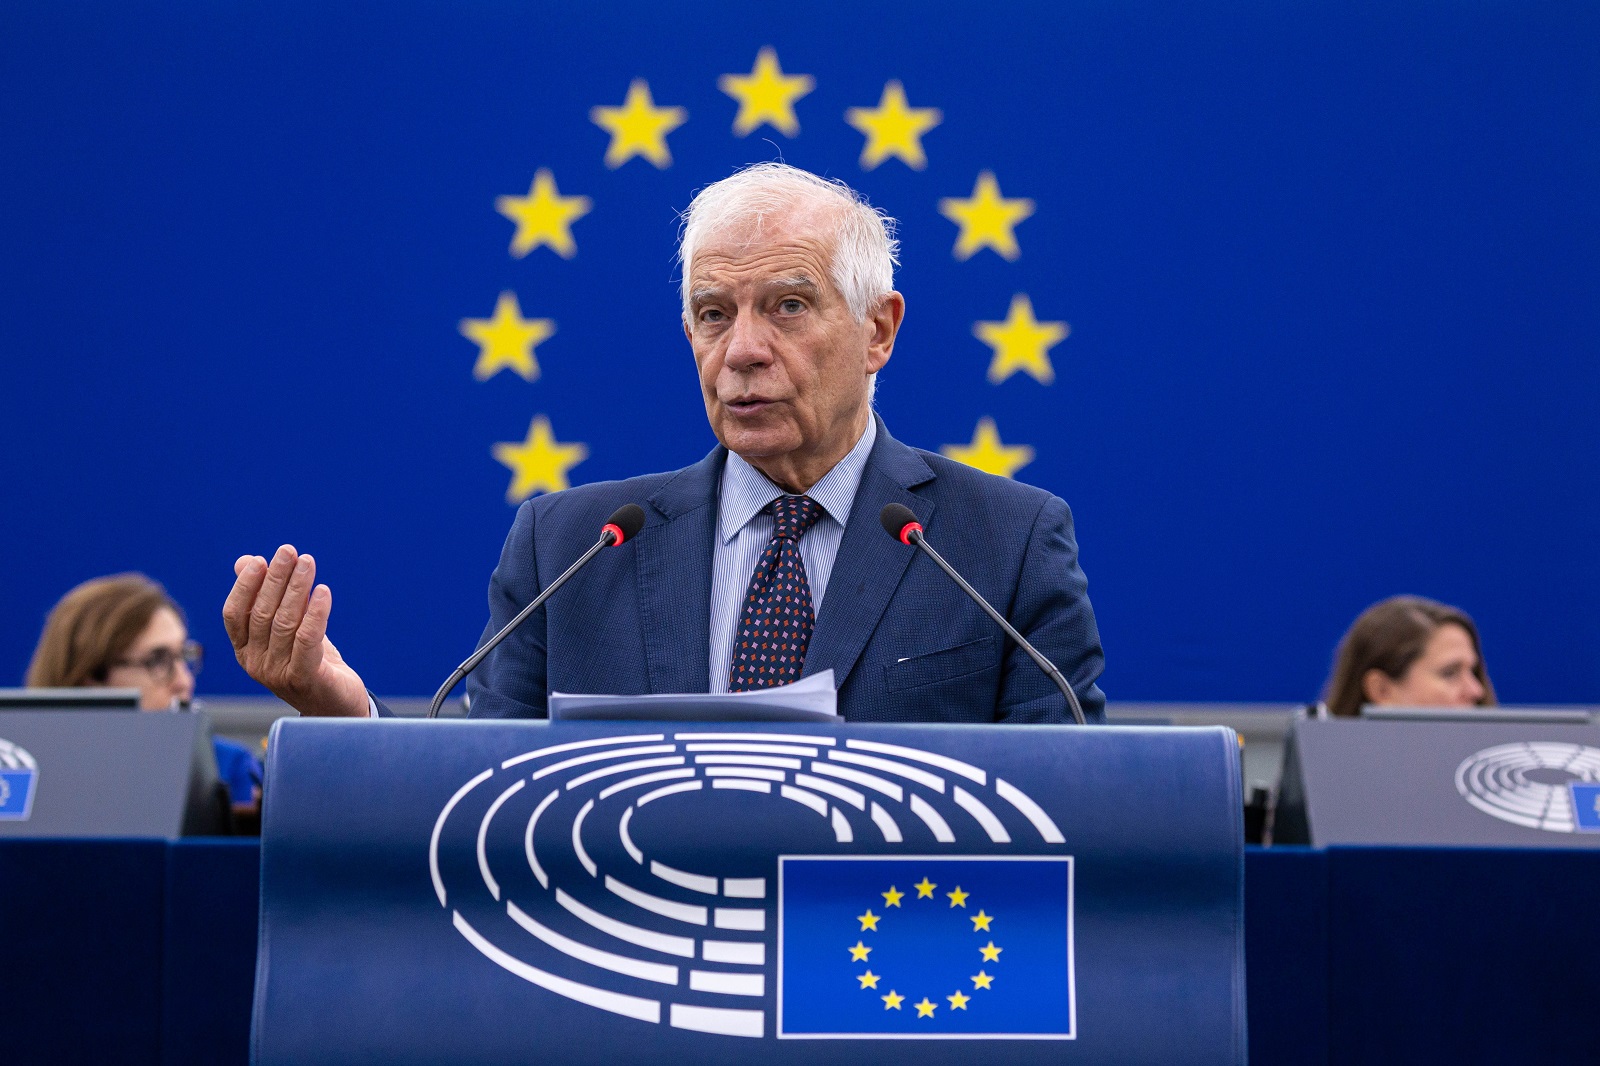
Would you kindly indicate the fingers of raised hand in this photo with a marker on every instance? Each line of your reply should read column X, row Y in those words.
column 291, row 609
column 250, row 571
column 311, row 637
column 271, row 595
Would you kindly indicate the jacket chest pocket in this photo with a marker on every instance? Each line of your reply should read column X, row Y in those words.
column 947, row 664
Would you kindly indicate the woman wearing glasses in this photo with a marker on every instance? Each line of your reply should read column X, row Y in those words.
column 124, row 631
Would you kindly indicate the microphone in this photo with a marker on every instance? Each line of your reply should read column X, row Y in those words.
column 623, row 525
column 901, row 524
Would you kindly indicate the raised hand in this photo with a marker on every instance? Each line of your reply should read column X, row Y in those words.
column 277, row 618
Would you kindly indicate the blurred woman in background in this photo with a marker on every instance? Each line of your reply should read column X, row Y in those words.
column 124, row 631
column 1409, row 652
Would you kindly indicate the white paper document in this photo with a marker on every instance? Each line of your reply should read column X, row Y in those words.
column 811, row 699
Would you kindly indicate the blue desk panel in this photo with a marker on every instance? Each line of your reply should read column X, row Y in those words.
column 1463, row 956
column 80, row 950
column 209, row 943
column 144, row 952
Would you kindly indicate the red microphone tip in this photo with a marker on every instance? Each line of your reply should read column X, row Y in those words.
column 617, row 536
column 906, row 530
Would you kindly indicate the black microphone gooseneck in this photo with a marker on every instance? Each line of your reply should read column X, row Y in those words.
column 621, row 526
column 901, row 524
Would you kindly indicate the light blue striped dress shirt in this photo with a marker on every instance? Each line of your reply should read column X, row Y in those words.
column 744, row 528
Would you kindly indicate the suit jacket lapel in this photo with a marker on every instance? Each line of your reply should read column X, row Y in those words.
column 674, row 566
column 869, row 565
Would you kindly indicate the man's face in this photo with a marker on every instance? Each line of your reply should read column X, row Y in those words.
column 783, row 366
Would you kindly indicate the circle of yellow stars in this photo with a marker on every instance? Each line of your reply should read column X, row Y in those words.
column 638, row 128
column 982, row 922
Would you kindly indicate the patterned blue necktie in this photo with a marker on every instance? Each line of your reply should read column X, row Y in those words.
column 775, row 624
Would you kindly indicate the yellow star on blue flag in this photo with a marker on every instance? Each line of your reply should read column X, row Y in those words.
column 539, row 463
column 638, row 127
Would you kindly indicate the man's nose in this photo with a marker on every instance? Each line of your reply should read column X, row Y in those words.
column 747, row 344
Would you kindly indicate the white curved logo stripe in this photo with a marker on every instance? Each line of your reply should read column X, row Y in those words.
column 841, row 827
column 943, row 762
column 634, row 851
column 683, row 879
column 719, row 1021
column 747, row 760
column 645, row 1010
column 690, row 913
column 483, row 832
column 886, row 825
column 745, row 887
column 624, row 768
column 837, row 791
column 888, row 766
column 804, row 798
column 15, row 758
column 752, row 921
column 527, row 840
column 669, row 790
column 729, row 984
column 645, row 779
column 744, row 771
column 756, row 749
column 577, row 745
column 438, row 827
column 743, row 783
column 623, row 964
column 981, row 814
column 580, row 760
column 616, row 923
column 632, row 934
column 1030, row 810
column 577, row 840
column 764, row 738
column 843, row 773
column 735, row 952
column 932, row 819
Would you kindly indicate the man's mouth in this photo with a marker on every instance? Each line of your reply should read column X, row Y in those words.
column 748, row 404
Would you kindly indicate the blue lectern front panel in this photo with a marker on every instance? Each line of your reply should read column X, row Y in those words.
column 574, row 893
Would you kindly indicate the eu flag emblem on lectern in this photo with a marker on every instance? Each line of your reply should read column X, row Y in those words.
column 923, row 947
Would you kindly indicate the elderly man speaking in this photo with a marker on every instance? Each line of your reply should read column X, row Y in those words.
column 790, row 308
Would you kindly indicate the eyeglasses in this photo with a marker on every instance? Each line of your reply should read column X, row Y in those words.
column 161, row 663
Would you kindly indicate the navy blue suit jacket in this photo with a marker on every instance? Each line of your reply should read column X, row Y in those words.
column 904, row 644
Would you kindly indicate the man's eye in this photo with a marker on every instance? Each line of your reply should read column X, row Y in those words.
column 791, row 306
column 711, row 314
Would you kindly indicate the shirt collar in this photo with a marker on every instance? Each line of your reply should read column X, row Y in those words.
column 746, row 491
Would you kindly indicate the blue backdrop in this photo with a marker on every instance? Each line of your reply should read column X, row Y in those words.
column 1329, row 269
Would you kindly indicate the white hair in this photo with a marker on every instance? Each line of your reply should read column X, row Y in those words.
column 865, row 251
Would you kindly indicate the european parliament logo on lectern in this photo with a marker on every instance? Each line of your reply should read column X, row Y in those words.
column 867, row 946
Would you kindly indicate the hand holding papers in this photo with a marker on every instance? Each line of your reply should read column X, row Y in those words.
column 811, row 699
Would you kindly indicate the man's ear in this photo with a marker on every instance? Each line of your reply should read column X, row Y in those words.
column 688, row 334
column 884, row 325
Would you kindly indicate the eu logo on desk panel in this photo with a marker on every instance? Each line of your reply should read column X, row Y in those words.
column 18, row 775
column 567, row 867
column 957, row 200
column 1539, row 784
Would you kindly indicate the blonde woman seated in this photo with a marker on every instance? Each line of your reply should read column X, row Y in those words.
column 1409, row 652
column 124, row 631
